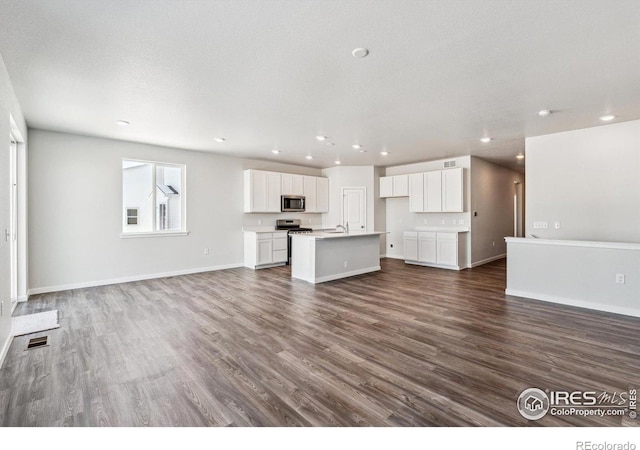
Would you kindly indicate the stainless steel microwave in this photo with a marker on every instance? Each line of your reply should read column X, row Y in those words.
column 292, row 203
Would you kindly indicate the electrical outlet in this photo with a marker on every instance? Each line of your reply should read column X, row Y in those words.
column 345, row 264
column 556, row 225
column 620, row 278
column 426, row 221
column 259, row 221
column 493, row 243
column 206, row 251
column 2, row 308
column 442, row 221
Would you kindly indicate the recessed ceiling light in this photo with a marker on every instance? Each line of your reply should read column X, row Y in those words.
column 484, row 140
column 607, row 118
column 123, row 123
column 384, row 153
column 357, row 146
column 309, row 157
column 360, row 52
column 520, row 156
column 321, row 138
column 544, row 112
column 219, row 139
column 331, row 143
column 275, row 152
column 337, row 161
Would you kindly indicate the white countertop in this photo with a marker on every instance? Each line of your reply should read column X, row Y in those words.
column 570, row 243
column 329, row 235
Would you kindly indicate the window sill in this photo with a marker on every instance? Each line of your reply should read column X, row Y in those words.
column 152, row 234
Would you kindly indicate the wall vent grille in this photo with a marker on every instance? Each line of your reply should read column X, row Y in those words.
column 449, row 164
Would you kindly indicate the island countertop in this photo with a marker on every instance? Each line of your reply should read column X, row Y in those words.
column 340, row 234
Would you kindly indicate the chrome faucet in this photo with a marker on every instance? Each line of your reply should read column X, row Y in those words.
column 345, row 229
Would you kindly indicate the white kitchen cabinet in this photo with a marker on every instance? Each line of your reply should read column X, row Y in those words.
column 427, row 247
column 265, row 252
column 416, row 192
column 442, row 249
column 292, row 184
column 261, row 191
column 394, row 186
column 447, row 252
column 265, row 249
column 433, row 191
column 401, row 185
column 410, row 241
column 322, row 195
column 386, row 187
column 316, row 193
column 310, row 189
column 452, row 190
column 442, row 191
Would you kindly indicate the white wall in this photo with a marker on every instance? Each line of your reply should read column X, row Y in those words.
column 76, row 212
column 399, row 219
column 492, row 193
column 349, row 177
column 588, row 180
column 9, row 109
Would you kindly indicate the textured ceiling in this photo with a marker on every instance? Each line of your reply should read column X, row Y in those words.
column 274, row 74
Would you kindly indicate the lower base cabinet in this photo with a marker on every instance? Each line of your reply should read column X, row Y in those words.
column 265, row 249
column 446, row 250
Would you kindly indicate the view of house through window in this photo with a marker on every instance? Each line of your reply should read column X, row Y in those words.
column 152, row 197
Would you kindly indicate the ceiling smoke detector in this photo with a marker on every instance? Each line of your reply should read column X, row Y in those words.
column 321, row 138
column 219, row 139
column 122, row 123
column 360, row 52
column 544, row 112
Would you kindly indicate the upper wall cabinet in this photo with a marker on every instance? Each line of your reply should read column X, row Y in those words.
column 316, row 193
column 394, row 186
column 292, row 184
column 261, row 191
column 436, row 191
column 452, row 190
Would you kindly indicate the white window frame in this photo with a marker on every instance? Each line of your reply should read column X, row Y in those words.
column 183, row 202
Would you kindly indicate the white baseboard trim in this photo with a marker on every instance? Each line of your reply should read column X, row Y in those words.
column 66, row 287
column 578, row 303
column 436, row 266
column 488, row 260
column 23, row 298
column 5, row 349
column 393, row 256
column 346, row 274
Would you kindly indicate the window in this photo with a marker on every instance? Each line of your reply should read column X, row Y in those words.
column 153, row 198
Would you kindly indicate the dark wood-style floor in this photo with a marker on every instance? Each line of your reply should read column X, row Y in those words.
column 407, row 346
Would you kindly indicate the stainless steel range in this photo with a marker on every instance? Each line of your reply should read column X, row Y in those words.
column 293, row 227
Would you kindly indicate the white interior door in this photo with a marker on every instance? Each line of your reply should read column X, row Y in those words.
column 354, row 208
column 13, row 217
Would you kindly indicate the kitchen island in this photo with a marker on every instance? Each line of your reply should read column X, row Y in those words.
column 324, row 256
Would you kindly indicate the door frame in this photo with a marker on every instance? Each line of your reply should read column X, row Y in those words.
column 364, row 203
column 21, row 209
